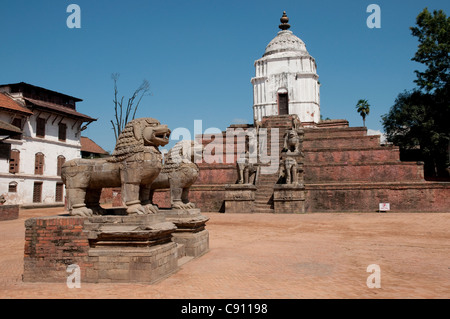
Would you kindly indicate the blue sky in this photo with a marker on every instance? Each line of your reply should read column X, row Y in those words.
column 198, row 55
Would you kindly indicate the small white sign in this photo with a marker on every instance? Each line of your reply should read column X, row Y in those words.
column 384, row 207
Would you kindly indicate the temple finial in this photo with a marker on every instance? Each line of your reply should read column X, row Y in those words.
column 284, row 22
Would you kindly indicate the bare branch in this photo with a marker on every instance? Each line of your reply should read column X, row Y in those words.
column 121, row 115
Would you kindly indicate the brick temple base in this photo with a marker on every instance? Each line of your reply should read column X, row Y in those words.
column 345, row 170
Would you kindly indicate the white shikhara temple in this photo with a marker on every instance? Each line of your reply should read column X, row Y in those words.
column 285, row 80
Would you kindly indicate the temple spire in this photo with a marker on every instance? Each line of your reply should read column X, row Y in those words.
column 284, row 22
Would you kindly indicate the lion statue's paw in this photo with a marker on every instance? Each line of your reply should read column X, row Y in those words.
column 190, row 205
column 152, row 209
column 183, row 205
column 137, row 209
column 82, row 211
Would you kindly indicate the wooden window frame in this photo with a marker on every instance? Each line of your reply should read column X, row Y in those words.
column 62, row 132
column 39, row 162
column 59, row 192
column 14, row 161
column 37, row 192
column 60, row 162
column 12, row 187
column 40, row 127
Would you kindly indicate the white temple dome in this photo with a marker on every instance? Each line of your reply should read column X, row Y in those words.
column 285, row 41
column 286, row 80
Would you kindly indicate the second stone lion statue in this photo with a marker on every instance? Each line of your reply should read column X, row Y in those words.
column 178, row 174
column 135, row 163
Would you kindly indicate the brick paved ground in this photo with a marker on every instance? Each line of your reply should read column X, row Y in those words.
column 277, row 256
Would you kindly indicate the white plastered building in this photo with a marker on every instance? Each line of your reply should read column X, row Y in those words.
column 50, row 128
column 286, row 80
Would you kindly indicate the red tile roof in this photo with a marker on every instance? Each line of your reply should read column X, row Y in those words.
column 8, row 103
column 88, row 145
column 4, row 126
column 59, row 108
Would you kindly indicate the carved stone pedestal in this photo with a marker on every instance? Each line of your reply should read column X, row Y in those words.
column 114, row 247
column 240, row 198
column 289, row 198
column 191, row 236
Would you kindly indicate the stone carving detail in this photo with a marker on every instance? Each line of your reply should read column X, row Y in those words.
column 179, row 173
column 135, row 162
column 293, row 139
column 247, row 162
column 291, row 172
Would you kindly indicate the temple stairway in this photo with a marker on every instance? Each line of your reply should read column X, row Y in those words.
column 264, row 193
column 266, row 180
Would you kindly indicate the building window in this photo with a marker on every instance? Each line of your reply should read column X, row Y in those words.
column 37, row 192
column 59, row 192
column 14, row 160
column 60, row 162
column 12, row 187
column 40, row 127
column 39, row 164
column 62, row 130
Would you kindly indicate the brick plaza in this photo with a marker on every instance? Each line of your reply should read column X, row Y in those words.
column 268, row 256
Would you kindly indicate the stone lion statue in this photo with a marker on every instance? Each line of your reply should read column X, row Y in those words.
column 293, row 139
column 178, row 174
column 247, row 165
column 135, row 162
column 290, row 171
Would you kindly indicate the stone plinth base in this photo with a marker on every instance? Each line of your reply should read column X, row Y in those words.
column 9, row 212
column 113, row 247
column 190, row 233
column 289, row 198
column 240, row 198
column 132, row 264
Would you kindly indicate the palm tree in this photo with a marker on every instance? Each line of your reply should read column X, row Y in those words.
column 363, row 108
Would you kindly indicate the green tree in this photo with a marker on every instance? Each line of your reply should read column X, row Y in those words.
column 413, row 125
column 419, row 119
column 433, row 33
column 363, row 108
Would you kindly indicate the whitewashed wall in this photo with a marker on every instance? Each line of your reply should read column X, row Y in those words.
column 28, row 146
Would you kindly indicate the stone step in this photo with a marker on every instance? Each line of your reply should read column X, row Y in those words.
column 266, row 211
column 352, row 155
column 183, row 260
column 360, row 172
column 265, row 189
column 181, row 251
column 263, row 204
column 335, row 132
column 264, row 194
column 341, row 142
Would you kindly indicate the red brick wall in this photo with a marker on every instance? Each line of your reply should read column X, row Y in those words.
column 8, row 212
column 369, row 172
column 378, row 154
column 365, row 197
column 52, row 244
